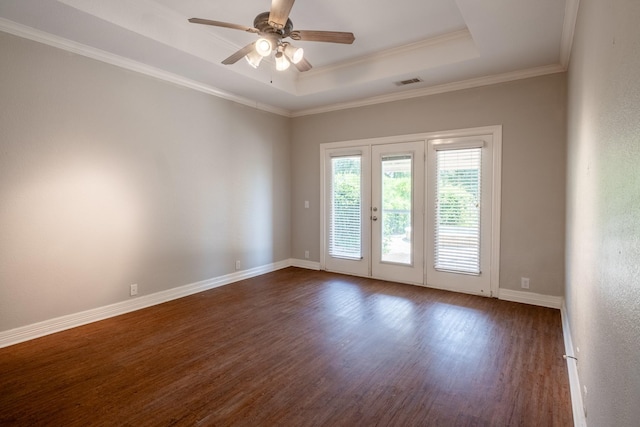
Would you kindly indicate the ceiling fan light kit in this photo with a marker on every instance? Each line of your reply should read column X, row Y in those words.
column 281, row 62
column 272, row 27
column 295, row 54
column 285, row 53
column 254, row 58
column 264, row 47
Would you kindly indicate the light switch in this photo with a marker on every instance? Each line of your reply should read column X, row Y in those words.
column 306, row 204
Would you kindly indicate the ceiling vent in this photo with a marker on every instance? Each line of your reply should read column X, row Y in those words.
column 408, row 81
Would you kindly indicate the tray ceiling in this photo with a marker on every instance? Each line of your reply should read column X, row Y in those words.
column 445, row 44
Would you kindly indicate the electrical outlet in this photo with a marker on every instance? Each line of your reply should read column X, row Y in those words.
column 133, row 289
column 238, row 265
column 524, row 282
column 306, row 254
column 306, row 204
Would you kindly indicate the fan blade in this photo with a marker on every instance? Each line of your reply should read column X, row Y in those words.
column 303, row 65
column 239, row 54
column 223, row 24
column 323, row 36
column 279, row 13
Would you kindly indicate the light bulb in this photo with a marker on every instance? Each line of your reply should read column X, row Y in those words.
column 281, row 62
column 295, row 54
column 264, row 47
column 253, row 58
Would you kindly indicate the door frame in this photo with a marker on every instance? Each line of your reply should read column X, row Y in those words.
column 494, row 130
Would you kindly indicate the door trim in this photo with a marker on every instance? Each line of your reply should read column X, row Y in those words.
column 495, row 131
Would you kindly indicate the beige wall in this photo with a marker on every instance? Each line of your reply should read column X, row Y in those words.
column 532, row 113
column 603, row 209
column 108, row 178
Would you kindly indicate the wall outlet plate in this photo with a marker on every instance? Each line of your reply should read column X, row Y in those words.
column 133, row 289
column 524, row 282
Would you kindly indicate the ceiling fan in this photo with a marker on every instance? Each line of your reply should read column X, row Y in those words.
column 273, row 27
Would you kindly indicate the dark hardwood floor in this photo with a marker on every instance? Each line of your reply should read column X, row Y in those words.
column 298, row 348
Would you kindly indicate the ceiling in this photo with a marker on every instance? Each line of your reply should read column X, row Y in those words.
column 447, row 44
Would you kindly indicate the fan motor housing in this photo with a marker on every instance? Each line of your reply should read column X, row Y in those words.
column 262, row 24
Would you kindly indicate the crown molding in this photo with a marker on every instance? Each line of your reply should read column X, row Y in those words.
column 103, row 56
column 460, row 35
column 29, row 33
column 418, row 58
column 568, row 30
column 434, row 90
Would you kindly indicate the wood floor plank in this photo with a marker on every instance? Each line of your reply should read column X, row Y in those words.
column 299, row 348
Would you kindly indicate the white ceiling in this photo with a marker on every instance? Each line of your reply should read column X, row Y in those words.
column 448, row 44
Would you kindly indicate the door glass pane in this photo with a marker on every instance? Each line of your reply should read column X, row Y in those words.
column 457, row 226
column 396, row 209
column 345, row 222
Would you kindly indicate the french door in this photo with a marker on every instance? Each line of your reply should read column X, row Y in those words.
column 397, row 220
column 460, row 216
column 374, row 211
column 346, row 210
column 423, row 212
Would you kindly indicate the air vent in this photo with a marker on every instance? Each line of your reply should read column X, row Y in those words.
column 408, row 81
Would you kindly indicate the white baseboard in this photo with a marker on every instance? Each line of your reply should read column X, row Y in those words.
column 579, row 419
column 303, row 263
column 36, row 330
column 47, row 327
column 577, row 407
column 530, row 298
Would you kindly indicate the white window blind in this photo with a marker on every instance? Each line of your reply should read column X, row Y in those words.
column 457, row 225
column 345, row 222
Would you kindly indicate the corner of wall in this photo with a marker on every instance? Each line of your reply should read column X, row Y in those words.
column 577, row 406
